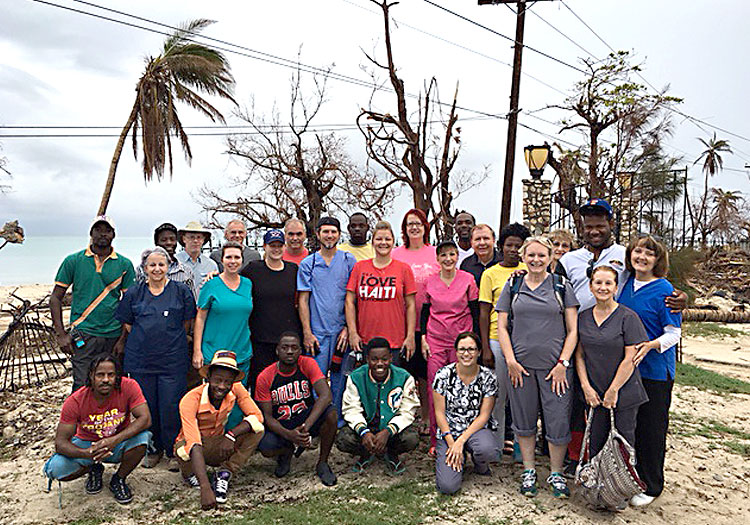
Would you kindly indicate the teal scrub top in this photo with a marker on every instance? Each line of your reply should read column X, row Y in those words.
column 226, row 325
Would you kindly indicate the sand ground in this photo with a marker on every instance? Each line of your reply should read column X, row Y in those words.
column 706, row 482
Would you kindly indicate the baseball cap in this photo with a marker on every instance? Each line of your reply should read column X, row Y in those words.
column 273, row 236
column 329, row 221
column 102, row 218
column 594, row 205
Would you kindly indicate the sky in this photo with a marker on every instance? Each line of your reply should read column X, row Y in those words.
column 64, row 68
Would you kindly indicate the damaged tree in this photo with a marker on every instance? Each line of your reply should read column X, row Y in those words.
column 412, row 153
column 295, row 171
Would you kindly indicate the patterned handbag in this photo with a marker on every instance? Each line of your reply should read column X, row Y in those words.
column 609, row 479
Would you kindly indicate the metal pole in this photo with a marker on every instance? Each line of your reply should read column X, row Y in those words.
column 510, row 150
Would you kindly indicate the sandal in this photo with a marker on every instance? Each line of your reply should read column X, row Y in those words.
column 362, row 463
column 394, row 465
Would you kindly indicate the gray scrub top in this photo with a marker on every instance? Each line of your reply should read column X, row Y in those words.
column 538, row 325
column 604, row 350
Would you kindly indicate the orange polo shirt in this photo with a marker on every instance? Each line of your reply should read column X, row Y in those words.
column 200, row 418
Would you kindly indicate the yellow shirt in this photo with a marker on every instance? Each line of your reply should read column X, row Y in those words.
column 492, row 283
column 359, row 252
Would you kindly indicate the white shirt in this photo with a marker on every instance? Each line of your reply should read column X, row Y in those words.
column 462, row 254
column 577, row 262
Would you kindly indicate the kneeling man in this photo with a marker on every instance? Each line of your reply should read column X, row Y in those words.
column 293, row 416
column 202, row 440
column 380, row 403
column 95, row 426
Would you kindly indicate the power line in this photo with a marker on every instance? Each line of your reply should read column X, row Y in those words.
column 579, row 46
column 506, row 37
column 692, row 119
column 460, row 46
column 276, row 60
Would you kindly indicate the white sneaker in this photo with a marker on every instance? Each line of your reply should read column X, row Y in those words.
column 641, row 500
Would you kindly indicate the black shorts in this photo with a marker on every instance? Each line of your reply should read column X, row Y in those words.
column 416, row 366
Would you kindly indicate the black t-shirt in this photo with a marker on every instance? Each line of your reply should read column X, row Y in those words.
column 274, row 301
column 290, row 396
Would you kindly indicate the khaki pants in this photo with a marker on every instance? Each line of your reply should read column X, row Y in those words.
column 244, row 448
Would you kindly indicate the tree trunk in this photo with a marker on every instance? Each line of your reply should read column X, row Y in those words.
column 115, row 160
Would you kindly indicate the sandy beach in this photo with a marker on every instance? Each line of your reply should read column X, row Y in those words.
column 707, row 479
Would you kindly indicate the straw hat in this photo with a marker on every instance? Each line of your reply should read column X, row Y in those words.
column 194, row 227
column 225, row 359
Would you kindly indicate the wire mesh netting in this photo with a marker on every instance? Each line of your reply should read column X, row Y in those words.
column 29, row 354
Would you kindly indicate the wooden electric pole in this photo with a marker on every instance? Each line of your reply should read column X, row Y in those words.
column 515, row 86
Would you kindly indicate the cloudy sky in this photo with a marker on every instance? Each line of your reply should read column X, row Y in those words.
column 65, row 68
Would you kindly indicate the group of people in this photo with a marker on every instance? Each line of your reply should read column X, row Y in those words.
column 204, row 359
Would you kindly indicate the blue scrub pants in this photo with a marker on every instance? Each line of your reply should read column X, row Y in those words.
column 163, row 393
column 338, row 379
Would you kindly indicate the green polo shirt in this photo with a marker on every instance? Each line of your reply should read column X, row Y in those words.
column 89, row 276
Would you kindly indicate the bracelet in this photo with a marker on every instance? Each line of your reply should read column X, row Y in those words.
column 230, row 437
column 365, row 431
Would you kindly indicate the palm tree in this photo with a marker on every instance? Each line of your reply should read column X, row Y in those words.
column 726, row 216
column 183, row 69
column 712, row 164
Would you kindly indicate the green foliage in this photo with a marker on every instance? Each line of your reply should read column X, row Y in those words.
column 690, row 375
column 681, row 266
column 404, row 503
column 714, row 330
column 717, row 432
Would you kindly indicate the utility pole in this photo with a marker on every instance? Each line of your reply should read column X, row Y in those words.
column 515, row 87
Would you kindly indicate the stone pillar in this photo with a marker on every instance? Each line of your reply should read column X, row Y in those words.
column 537, row 201
column 625, row 204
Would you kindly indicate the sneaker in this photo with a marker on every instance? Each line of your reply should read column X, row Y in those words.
column 570, row 469
column 283, row 465
column 222, row 485
column 94, row 482
column 326, row 475
column 120, row 490
column 192, row 481
column 528, row 483
column 559, row 485
column 641, row 500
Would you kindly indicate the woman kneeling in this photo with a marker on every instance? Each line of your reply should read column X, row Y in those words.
column 464, row 395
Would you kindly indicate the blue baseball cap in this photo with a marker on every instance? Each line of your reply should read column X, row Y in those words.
column 596, row 205
column 273, row 236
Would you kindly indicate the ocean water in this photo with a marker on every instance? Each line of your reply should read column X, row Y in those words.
column 38, row 258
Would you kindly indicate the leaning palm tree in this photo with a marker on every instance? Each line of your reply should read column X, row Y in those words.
column 183, row 69
column 726, row 215
column 712, row 164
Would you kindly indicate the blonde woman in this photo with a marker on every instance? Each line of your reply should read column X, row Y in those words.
column 537, row 330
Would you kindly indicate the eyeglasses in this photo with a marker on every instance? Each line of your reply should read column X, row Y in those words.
column 413, row 224
column 469, row 350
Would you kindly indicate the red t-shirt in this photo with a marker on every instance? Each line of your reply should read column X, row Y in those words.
column 94, row 421
column 296, row 259
column 380, row 292
column 291, row 396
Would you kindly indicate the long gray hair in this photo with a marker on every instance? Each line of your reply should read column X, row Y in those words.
column 148, row 251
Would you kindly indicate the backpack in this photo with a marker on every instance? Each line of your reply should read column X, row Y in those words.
column 558, row 285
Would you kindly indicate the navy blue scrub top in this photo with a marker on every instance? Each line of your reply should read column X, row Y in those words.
column 157, row 343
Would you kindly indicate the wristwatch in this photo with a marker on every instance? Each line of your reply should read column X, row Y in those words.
column 564, row 362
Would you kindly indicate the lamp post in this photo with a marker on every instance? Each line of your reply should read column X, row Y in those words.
column 536, row 159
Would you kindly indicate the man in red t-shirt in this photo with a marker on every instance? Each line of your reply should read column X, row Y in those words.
column 293, row 416
column 95, row 426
